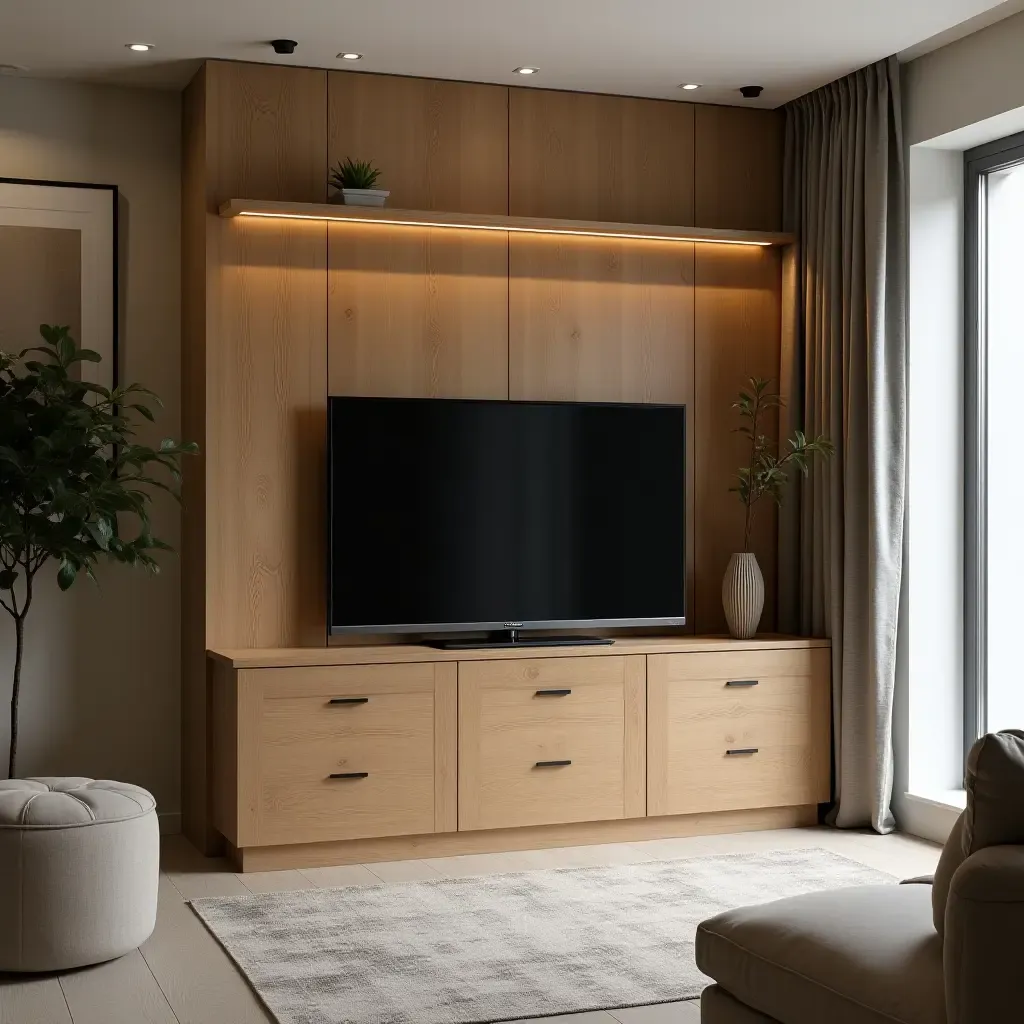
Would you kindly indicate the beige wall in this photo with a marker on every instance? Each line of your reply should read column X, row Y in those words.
column 976, row 78
column 101, row 685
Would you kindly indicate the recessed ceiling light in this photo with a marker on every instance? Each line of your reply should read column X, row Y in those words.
column 350, row 56
column 139, row 47
column 689, row 86
column 526, row 71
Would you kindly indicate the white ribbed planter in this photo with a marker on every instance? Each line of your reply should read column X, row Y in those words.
column 743, row 595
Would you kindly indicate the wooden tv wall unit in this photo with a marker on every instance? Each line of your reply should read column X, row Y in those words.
column 383, row 753
column 537, row 245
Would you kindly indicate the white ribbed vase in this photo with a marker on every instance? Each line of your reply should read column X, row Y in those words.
column 743, row 595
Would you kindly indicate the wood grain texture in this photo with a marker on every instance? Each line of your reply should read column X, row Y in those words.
column 298, row 657
column 291, row 739
column 224, row 751
column 634, row 738
column 738, row 172
column 439, row 145
column 417, row 313
column 266, row 434
column 790, row 419
column 303, row 742
column 392, row 217
column 541, row 837
column 254, row 367
column 508, row 729
column 737, row 336
column 446, row 748
column 303, row 739
column 697, row 718
column 266, row 137
column 592, row 157
column 248, row 691
column 598, row 320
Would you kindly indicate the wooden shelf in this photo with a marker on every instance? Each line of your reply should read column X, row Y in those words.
column 497, row 222
column 308, row 657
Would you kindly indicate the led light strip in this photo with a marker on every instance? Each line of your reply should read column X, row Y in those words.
column 497, row 227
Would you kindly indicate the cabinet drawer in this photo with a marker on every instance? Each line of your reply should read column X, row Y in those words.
column 738, row 730
column 520, row 721
column 351, row 752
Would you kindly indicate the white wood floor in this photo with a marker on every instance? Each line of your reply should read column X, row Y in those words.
column 181, row 975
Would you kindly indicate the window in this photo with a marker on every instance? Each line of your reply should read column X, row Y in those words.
column 994, row 451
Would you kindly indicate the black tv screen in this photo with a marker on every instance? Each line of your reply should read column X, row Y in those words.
column 475, row 515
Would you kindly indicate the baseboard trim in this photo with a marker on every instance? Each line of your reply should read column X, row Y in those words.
column 453, row 844
column 170, row 822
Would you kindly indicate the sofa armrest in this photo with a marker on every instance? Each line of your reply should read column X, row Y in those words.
column 984, row 928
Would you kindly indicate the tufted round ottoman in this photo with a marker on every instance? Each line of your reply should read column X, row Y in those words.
column 79, row 868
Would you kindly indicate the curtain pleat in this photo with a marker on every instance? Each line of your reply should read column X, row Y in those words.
column 841, row 544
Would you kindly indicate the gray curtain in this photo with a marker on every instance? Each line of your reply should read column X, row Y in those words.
column 841, row 541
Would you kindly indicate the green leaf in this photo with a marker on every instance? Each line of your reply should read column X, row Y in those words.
column 66, row 575
column 70, row 466
column 86, row 355
column 143, row 411
column 8, row 577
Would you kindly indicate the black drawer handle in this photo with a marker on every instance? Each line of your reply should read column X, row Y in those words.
column 552, row 764
column 349, row 775
column 553, row 693
column 349, row 700
column 742, row 682
column 740, row 751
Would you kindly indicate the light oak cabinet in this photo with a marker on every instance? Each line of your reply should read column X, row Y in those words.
column 736, row 730
column 543, row 741
column 327, row 754
column 462, row 752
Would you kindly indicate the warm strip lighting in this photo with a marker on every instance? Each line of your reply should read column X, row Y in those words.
column 498, row 227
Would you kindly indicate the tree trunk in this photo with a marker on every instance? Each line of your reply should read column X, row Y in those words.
column 19, row 649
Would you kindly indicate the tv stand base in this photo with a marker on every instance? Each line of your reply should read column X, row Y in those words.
column 513, row 638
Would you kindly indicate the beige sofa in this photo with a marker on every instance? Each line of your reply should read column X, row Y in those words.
column 942, row 951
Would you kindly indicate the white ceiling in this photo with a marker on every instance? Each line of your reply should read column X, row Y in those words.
column 631, row 47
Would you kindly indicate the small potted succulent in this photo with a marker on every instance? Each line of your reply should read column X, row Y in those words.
column 765, row 476
column 354, row 181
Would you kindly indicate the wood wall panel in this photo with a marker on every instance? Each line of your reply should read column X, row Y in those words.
column 738, row 168
column 737, row 330
column 266, row 132
column 439, row 145
column 268, row 404
column 255, row 372
column 266, row 357
column 437, row 313
column 417, row 313
column 589, row 157
column 599, row 320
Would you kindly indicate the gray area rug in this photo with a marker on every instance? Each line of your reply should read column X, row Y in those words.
column 501, row 947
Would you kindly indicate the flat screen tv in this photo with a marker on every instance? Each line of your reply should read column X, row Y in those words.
column 483, row 516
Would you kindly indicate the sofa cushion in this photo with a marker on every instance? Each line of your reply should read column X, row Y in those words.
column 995, row 792
column 868, row 955
column 952, row 857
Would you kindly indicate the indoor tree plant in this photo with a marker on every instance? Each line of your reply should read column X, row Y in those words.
column 74, row 485
column 765, row 476
column 355, row 181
